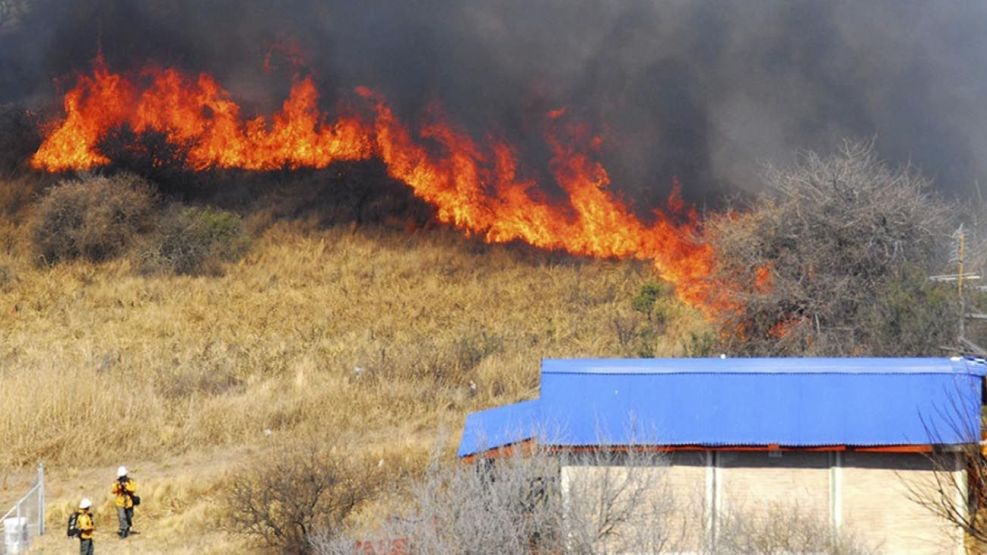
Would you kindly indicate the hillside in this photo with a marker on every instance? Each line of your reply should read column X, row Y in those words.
column 370, row 336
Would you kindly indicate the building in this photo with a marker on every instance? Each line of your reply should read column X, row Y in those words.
column 843, row 438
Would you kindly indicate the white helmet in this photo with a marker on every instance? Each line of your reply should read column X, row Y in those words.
column 85, row 503
column 121, row 472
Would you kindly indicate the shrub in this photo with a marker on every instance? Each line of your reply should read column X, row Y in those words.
column 195, row 241
column 94, row 218
column 294, row 492
column 647, row 298
column 638, row 331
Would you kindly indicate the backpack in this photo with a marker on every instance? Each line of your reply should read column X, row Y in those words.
column 135, row 499
column 73, row 529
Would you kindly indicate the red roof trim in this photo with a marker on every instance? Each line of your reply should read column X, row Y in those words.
column 527, row 447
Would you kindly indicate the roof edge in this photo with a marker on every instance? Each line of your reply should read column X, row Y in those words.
column 528, row 446
column 767, row 366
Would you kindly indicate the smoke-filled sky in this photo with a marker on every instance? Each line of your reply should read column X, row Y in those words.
column 707, row 91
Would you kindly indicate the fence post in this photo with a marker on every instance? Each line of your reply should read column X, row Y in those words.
column 41, row 498
column 19, row 538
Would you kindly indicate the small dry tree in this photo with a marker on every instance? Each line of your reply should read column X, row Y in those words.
column 295, row 490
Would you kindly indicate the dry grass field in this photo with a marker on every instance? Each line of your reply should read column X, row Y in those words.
column 370, row 335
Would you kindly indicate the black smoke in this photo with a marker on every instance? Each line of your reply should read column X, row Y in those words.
column 704, row 91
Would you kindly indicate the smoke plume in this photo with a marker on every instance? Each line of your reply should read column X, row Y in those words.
column 704, row 91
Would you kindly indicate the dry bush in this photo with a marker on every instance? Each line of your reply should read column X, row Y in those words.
column 284, row 497
column 781, row 530
column 522, row 504
column 94, row 218
column 194, row 241
column 512, row 503
column 834, row 245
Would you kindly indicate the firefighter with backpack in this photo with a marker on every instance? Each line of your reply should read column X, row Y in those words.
column 81, row 525
column 125, row 489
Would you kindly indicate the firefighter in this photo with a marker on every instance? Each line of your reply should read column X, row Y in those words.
column 125, row 489
column 84, row 522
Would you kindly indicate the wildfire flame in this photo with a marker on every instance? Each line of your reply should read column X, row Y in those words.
column 475, row 187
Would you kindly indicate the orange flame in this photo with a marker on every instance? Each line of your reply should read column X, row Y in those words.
column 474, row 187
column 763, row 279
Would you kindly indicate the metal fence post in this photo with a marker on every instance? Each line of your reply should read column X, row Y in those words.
column 41, row 498
column 19, row 538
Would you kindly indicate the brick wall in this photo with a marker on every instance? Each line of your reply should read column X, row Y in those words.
column 872, row 499
column 876, row 504
column 753, row 481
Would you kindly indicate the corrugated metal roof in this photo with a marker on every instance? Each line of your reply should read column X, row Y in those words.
column 797, row 402
column 496, row 427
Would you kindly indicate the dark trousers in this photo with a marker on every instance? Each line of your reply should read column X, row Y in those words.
column 85, row 547
column 126, row 518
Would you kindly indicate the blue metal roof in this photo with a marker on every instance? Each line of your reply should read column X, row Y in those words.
column 797, row 402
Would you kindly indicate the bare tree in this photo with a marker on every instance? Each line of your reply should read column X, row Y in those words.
column 956, row 490
column 466, row 508
column 832, row 259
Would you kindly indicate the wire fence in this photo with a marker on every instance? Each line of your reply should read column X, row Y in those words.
column 25, row 520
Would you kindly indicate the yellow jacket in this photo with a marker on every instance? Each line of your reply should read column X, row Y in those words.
column 124, row 493
column 85, row 524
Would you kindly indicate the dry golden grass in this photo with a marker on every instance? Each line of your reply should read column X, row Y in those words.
column 100, row 366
